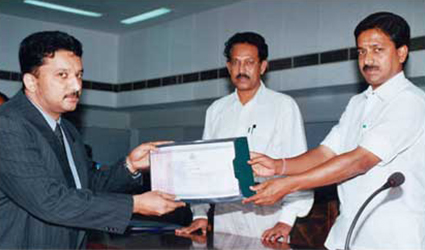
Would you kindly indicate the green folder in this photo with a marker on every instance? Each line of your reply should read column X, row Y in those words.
column 243, row 170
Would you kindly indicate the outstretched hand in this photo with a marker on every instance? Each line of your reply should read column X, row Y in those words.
column 155, row 203
column 264, row 166
column 138, row 159
column 270, row 191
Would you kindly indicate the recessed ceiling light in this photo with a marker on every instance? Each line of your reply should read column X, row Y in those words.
column 62, row 8
column 146, row 15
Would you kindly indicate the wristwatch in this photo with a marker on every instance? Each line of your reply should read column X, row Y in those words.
column 135, row 175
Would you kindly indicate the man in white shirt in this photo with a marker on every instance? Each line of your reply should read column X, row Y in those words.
column 380, row 132
column 273, row 125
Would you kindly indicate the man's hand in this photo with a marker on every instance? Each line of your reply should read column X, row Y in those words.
column 197, row 238
column 188, row 232
column 264, row 166
column 155, row 203
column 279, row 231
column 197, row 224
column 270, row 191
column 138, row 159
column 276, row 245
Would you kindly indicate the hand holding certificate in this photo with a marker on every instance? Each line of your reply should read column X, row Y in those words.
column 203, row 171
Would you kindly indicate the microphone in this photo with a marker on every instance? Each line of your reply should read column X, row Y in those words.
column 395, row 180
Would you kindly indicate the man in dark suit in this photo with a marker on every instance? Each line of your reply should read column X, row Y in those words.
column 49, row 194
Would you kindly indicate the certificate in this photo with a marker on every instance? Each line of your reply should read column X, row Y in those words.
column 203, row 171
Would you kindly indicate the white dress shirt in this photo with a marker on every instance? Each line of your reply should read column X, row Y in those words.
column 273, row 125
column 390, row 123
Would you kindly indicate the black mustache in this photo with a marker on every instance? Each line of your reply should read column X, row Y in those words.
column 74, row 94
column 368, row 67
column 242, row 75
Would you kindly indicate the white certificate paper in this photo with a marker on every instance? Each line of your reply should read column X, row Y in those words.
column 195, row 171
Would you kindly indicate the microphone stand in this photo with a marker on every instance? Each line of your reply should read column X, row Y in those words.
column 395, row 180
column 356, row 218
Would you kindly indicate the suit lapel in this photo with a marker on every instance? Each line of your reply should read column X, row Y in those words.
column 34, row 116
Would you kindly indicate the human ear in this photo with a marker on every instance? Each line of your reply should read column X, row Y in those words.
column 402, row 52
column 30, row 82
column 263, row 66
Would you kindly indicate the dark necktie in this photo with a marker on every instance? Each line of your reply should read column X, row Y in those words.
column 73, row 233
column 65, row 166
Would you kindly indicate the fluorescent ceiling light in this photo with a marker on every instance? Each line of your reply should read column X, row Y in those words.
column 146, row 15
column 62, row 8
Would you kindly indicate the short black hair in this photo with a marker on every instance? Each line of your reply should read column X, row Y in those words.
column 4, row 97
column 391, row 24
column 247, row 37
column 35, row 47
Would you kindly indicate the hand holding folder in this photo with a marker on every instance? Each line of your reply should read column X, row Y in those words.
column 203, row 171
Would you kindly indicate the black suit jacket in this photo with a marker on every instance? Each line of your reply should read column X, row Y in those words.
column 37, row 208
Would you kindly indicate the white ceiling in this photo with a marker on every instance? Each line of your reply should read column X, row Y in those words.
column 113, row 11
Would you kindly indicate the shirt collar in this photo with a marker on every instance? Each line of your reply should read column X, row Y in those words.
column 390, row 88
column 52, row 122
column 257, row 97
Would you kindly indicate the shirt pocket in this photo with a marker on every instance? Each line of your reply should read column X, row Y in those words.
column 261, row 139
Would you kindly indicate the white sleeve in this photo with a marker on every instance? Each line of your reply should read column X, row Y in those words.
column 401, row 124
column 333, row 139
column 208, row 126
column 295, row 205
column 291, row 132
column 292, row 136
column 200, row 211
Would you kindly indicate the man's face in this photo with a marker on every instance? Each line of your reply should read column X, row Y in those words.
column 245, row 68
column 379, row 60
column 56, row 86
column 2, row 100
